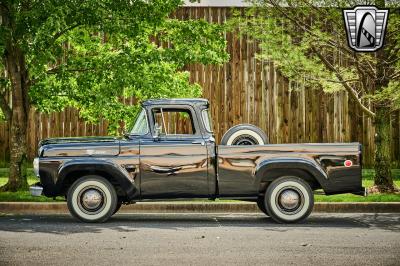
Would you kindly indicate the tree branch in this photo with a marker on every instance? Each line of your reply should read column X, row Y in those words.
column 362, row 73
column 395, row 75
column 370, row 70
column 348, row 88
column 322, row 11
column 393, row 54
column 4, row 6
column 56, row 70
column 304, row 27
column 60, row 33
column 338, row 81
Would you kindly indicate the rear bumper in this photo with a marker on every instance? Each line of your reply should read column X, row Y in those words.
column 362, row 192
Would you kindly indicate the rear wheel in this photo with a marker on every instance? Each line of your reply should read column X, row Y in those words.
column 261, row 206
column 244, row 134
column 92, row 199
column 289, row 199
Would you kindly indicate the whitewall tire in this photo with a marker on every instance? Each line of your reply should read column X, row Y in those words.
column 92, row 199
column 289, row 199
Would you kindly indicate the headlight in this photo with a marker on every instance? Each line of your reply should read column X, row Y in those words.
column 36, row 166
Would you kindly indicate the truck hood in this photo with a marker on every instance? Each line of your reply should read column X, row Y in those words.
column 82, row 146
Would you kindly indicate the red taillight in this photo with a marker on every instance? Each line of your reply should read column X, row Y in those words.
column 348, row 163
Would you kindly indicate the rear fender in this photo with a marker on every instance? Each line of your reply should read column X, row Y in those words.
column 266, row 170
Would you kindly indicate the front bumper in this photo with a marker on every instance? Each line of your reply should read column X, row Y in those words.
column 36, row 190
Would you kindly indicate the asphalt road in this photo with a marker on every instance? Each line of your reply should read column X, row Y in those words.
column 201, row 239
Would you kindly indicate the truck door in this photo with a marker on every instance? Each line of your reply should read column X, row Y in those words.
column 173, row 162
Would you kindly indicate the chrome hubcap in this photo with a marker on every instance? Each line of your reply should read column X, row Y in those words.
column 289, row 199
column 91, row 199
column 245, row 140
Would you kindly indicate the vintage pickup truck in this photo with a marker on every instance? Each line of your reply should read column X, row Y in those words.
column 161, row 160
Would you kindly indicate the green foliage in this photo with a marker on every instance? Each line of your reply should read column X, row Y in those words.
column 307, row 42
column 93, row 54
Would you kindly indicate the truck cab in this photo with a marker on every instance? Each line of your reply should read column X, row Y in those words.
column 177, row 149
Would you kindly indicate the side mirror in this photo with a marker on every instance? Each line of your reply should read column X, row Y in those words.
column 157, row 131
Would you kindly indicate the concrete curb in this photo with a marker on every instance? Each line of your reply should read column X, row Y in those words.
column 199, row 207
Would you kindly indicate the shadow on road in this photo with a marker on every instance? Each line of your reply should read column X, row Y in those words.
column 64, row 224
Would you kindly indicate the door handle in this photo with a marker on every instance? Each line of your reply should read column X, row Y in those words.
column 165, row 170
column 199, row 142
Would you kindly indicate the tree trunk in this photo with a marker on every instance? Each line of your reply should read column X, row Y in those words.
column 383, row 174
column 17, row 179
column 18, row 75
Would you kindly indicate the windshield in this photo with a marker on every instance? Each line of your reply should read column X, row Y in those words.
column 141, row 126
column 207, row 120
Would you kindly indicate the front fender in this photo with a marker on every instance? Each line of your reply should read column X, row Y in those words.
column 119, row 174
column 265, row 169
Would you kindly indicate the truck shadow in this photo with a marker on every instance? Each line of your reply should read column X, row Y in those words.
column 65, row 224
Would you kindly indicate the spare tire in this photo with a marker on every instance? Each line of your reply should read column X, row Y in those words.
column 244, row 134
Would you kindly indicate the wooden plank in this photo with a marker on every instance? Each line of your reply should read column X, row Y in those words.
column 235, row 85
column 346, row 126
column 37, row 129
column 315, row 111
column 230, row 67
column 279, row 108
column 222, row 124
column 255, row 86
column 322, row 118
column 31, row 133
column 67, row 123
column 272, row 102
column 243, row 73
column 74, row 123
column 45, row 126
column 266, row 98
column 257, row 76
column 294, row 106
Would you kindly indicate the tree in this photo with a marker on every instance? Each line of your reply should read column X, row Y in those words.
column 89, row 55
column 303, row 39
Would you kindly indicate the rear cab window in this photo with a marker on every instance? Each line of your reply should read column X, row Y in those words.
column 206, row 117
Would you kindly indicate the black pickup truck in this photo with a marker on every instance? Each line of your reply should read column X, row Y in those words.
column 163, row 159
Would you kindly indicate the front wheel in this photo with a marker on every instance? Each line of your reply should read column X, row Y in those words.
column 119, row 204
column 289, row 199
column 92, row 199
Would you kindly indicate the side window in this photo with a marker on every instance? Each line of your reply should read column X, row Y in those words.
column 174, row 121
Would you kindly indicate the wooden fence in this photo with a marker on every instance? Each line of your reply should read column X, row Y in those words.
column 244, row 90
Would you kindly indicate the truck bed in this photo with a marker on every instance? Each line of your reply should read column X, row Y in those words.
column 240, row 167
